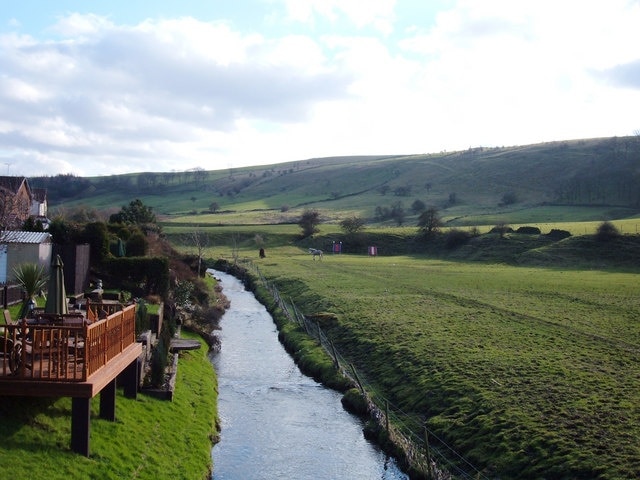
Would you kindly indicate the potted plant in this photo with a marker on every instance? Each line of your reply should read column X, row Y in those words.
column 32, row 278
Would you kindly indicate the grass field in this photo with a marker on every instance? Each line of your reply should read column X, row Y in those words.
column 532, row 371
column 529, row 372
column 151, row 439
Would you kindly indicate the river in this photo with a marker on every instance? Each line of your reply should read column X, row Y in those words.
column 276, row 422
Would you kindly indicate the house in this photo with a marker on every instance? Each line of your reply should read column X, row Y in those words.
column 18, row 202
column 17, row 247
column 39, row 206
column 15, row 202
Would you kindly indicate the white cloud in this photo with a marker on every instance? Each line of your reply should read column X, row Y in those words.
column 155, row 89
column 77, row 25
column 101, row 97
column 378, row 14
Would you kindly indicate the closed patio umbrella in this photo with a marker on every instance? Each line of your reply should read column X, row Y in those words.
column 56, row 295
column 121, row 251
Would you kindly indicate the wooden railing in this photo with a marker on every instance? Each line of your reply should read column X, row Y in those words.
column 66, row 353
column 101, row 310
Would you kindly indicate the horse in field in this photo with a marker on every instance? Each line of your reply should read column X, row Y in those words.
column 316, row 253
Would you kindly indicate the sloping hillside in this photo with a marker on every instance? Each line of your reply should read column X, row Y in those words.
column 595, row 172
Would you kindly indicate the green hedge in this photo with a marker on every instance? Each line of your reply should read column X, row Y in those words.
column 141, row 275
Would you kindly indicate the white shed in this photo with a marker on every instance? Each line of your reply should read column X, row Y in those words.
column 23, row 247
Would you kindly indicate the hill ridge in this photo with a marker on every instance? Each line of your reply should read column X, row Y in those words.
column 601, row 172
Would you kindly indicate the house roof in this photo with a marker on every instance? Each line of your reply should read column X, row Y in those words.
column 39, row 194
column 10, row 236
column 12, row 184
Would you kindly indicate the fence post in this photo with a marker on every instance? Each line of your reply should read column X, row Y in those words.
column 335, row 355
column 386, row 415
column 355, row 374
column 295, row 310
column 428, row 452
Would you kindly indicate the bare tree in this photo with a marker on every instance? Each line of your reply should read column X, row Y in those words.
column 200, row 241
column 501, row 229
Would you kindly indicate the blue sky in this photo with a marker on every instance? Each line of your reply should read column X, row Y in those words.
column 109, row 87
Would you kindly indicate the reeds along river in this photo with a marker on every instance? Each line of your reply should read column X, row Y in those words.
column 276, row 422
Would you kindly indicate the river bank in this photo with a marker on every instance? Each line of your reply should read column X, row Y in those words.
column 151, row 438
column 276, row 421
column 315, row 362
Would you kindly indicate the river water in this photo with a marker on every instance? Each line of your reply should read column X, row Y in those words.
column 276, row 422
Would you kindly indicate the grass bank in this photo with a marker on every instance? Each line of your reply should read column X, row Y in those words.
column 150, row 439
column 519, row 351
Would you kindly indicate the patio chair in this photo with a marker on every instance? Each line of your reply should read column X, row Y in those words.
column 9, row 350
column 73, row 319
column 7, row 317
column 9, row 353
column 76, row 340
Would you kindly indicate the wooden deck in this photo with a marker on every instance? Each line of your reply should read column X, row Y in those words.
column 48, row 357
column 68, row 357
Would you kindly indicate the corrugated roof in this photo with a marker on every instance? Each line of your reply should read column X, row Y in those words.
column 9, row 236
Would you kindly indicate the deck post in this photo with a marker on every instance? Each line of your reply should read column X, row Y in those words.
column 108, row 401
column 130, row 380
column 80, row 423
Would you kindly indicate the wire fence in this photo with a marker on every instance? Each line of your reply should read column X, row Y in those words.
column 425, row 451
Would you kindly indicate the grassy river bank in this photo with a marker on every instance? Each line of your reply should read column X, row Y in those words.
column 525, row 371
column 151, row 439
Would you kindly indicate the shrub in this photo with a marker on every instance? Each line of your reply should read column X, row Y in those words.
column 142, row 317
column 352, row 225
column 354, row 402
column 557, row 234
column 158, row 364
column 529, row 230
column 429, row 221
column 456, row 238
column 140, row 275
column 96, row 234
column 501, row 229
column 607, row 231
column 137, row 245
column 182, row 292
column 418, row 206
column 309, row 222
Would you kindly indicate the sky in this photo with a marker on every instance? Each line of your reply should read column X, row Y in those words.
column 111, row 86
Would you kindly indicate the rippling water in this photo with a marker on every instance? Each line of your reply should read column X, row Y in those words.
column 276, row 422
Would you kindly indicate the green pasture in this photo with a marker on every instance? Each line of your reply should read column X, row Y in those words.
column 254, row 217
column 527, row 371
column 576, row 220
